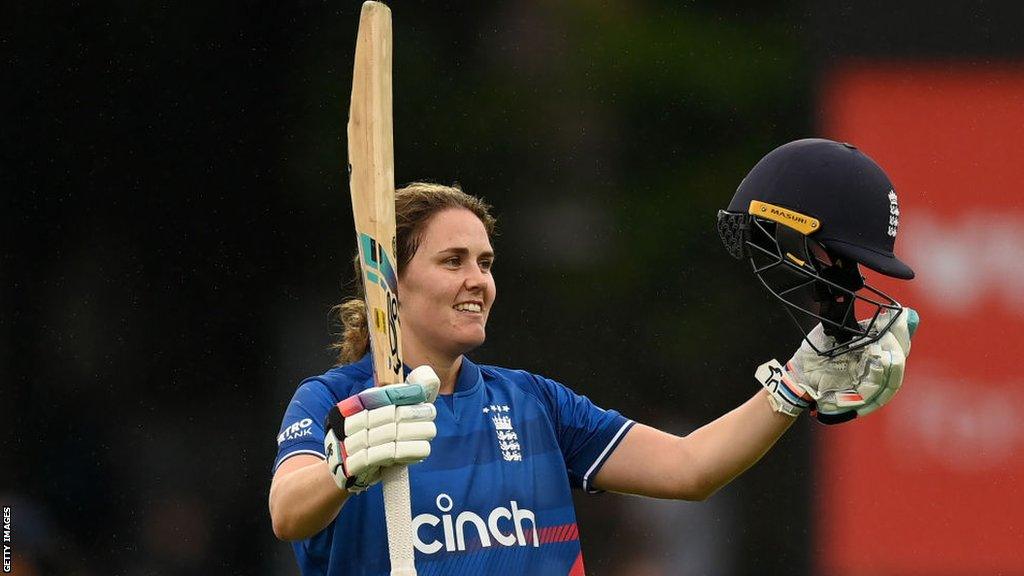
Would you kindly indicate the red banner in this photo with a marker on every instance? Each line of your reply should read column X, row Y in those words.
column 930, row 484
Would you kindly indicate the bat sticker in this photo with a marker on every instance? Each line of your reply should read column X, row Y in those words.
column 375, row 259
column 378, row 270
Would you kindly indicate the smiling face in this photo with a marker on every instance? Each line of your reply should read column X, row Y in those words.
column 446, row 291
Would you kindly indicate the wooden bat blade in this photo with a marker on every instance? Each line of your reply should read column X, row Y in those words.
column 372, row 185
column 372, row 182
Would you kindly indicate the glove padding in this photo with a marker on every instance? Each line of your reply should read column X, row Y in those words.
column 381, row 427
column 847, row 386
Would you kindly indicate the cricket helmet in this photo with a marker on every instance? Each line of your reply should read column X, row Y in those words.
column 805, row 217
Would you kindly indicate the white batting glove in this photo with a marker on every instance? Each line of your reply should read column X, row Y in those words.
column 847, row 386
column 380, row 427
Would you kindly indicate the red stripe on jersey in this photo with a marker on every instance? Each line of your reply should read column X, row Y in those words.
column 563, row 533
column 577, row 566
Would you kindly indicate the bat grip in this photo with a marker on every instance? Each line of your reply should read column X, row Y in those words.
column 398, row 517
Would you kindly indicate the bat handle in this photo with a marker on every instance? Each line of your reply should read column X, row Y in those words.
column 398, row 516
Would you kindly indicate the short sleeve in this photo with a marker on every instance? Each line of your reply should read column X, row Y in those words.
column 586, row 433
column 302, row 429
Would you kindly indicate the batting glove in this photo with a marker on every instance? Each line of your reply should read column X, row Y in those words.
column 842, row 388
column 381, row 427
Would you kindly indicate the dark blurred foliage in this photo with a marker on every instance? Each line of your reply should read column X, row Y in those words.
column 176, row 226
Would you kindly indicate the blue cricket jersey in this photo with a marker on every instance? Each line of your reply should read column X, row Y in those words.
column 493, row 497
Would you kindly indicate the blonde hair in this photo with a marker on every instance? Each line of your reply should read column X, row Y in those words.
column 415, row 205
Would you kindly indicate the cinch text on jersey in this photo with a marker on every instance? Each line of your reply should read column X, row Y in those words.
column 454, row 532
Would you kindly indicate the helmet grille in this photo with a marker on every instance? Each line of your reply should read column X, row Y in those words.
column 732, row 229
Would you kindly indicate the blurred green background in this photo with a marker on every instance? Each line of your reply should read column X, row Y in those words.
column 177, row 225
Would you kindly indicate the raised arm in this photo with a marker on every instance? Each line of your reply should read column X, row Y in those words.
column 653, row 463
column 693, row 467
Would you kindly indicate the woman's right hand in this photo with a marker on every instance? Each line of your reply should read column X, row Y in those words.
column 381, row 427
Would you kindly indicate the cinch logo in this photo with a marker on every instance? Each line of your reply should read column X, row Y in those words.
column 297, row 430
column 454, row 530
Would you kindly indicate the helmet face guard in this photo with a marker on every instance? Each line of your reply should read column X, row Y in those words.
column 815, row 285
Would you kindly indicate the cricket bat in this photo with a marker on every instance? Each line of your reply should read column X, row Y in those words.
column 371, row 166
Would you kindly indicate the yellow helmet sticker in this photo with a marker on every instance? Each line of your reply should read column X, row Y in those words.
column 805, row 225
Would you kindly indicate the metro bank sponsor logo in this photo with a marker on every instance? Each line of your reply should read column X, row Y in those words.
column 297, row 430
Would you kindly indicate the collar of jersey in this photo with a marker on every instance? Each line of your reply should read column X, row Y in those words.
column 468, row 381
column 469, row 378
column 469, row 375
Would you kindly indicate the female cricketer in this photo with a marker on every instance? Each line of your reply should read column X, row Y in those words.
column 495, row 452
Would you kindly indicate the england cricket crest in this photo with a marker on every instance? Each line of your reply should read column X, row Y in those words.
column 508, row 440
